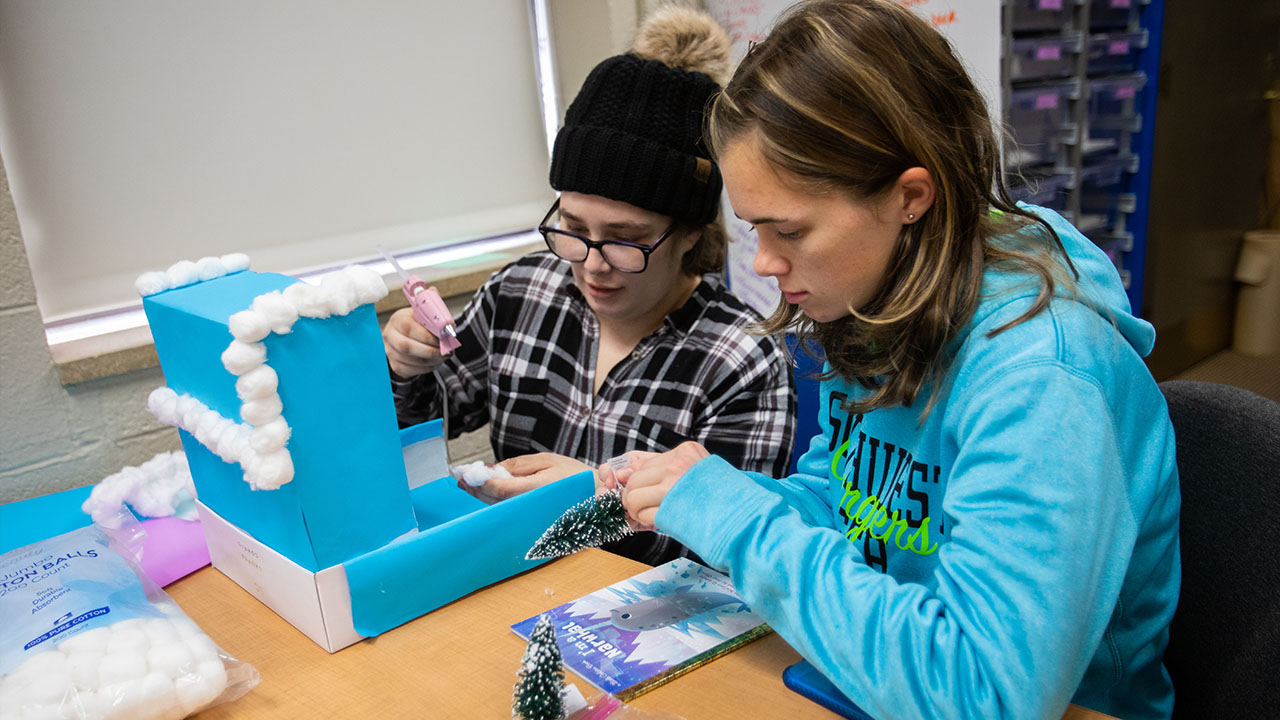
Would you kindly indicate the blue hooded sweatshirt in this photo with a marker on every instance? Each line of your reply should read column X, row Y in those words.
column 1015, row 552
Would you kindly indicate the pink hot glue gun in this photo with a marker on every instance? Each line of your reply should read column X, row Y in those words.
column 428, row 308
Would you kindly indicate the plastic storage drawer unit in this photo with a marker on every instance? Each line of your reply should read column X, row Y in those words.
column 1043, row 57
column 1112, row 111
column 1111, row 13
column 1046, row 189
column 1101, row 199
column 1115, row 52
column 1039, row 118
column 1040, row 15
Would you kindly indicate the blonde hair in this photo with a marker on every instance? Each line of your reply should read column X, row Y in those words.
column 845, row 96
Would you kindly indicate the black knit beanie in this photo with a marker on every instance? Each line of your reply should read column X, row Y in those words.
column 634, row 134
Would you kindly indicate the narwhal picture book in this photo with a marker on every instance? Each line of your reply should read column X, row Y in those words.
column 639, row 633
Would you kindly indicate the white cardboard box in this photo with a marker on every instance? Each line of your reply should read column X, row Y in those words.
column 317, row 603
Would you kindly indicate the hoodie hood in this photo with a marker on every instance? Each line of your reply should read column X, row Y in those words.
column 1099, row 284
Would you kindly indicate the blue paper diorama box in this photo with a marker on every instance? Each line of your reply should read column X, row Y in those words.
column 347, row 547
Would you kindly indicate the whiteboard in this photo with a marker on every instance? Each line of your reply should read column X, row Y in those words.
column 972, row 26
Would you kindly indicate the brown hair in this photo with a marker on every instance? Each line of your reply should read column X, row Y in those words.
column 708, row 254
column 846, row 95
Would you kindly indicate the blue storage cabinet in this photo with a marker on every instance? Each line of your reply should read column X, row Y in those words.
column 1079, row 98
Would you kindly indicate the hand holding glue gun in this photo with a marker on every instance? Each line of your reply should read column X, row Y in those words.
column 418, row 337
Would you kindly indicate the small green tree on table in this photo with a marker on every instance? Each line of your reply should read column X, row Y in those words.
column 540, row 682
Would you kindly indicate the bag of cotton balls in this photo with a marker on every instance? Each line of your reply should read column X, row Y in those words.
column 87, row 636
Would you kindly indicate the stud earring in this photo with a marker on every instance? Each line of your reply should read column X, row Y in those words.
column 911, row 216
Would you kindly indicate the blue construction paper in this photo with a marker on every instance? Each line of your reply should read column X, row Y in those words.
column 39, row 518
column 414, row 576
column 349, row 494
column 438, row 502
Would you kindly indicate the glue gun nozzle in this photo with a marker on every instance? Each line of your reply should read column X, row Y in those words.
column 452, row 333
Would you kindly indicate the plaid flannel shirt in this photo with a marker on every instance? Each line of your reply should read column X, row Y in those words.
column 529, row 343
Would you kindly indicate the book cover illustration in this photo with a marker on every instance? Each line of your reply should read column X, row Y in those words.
column 638, row 633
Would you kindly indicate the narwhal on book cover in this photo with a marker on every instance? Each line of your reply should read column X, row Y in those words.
column 643, row 631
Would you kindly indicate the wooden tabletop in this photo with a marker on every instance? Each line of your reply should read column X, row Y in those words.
column 460, row 661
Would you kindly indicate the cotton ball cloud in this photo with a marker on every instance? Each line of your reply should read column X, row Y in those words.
column 369, row 285
column 262, row 410
column 279, row 313
column 151, row 283
column 241, row 357
column 340, row 293
column 248, row 326
column 271, row 436
column 478, row 473
column 235, row 262
column 307, row 299
column 208, row 268
column 182, row 273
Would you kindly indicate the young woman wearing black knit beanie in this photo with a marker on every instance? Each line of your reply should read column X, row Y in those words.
column 622, row 335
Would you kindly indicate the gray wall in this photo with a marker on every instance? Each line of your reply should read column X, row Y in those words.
column 53, row 437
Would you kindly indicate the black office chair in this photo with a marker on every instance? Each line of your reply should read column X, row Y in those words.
column 1224, row 643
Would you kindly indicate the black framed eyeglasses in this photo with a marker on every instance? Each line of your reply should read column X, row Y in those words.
column 620, row 255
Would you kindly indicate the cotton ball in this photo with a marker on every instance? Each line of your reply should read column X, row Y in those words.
column 271, row 436
column 259, row 382
column 128, row 637
column 122, row 699
column 279, row 313
column 47, row 662
column 235, row 262
column 90, row 641
column 160, row 465
column 47, row 712
column 369, row 285
column 208, row 268
column 239, row 444
column 153, row 500
column 241, row 357
column 11, row 705
column 261, row 411
column 163, row 403
column 48, row 688
column 152, row 282
column 340, row 293
column 191, row 418
column 90, row 704
column 276, row 470
column 248, row 326
column 225, row 443
column 308, row 300
column 83, row 668
column 120, row 667
column 182, row 273
column 156, row 694
column 170, row 659
column 251, row 461
column 204, row 430
column 202, row 647
column 202, row 687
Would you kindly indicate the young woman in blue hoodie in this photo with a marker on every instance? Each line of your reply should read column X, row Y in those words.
column 986, row 526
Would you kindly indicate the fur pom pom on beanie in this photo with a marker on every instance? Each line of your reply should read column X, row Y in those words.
column 634, row 131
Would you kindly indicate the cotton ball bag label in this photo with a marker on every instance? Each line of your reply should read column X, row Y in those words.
column 88, row 635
